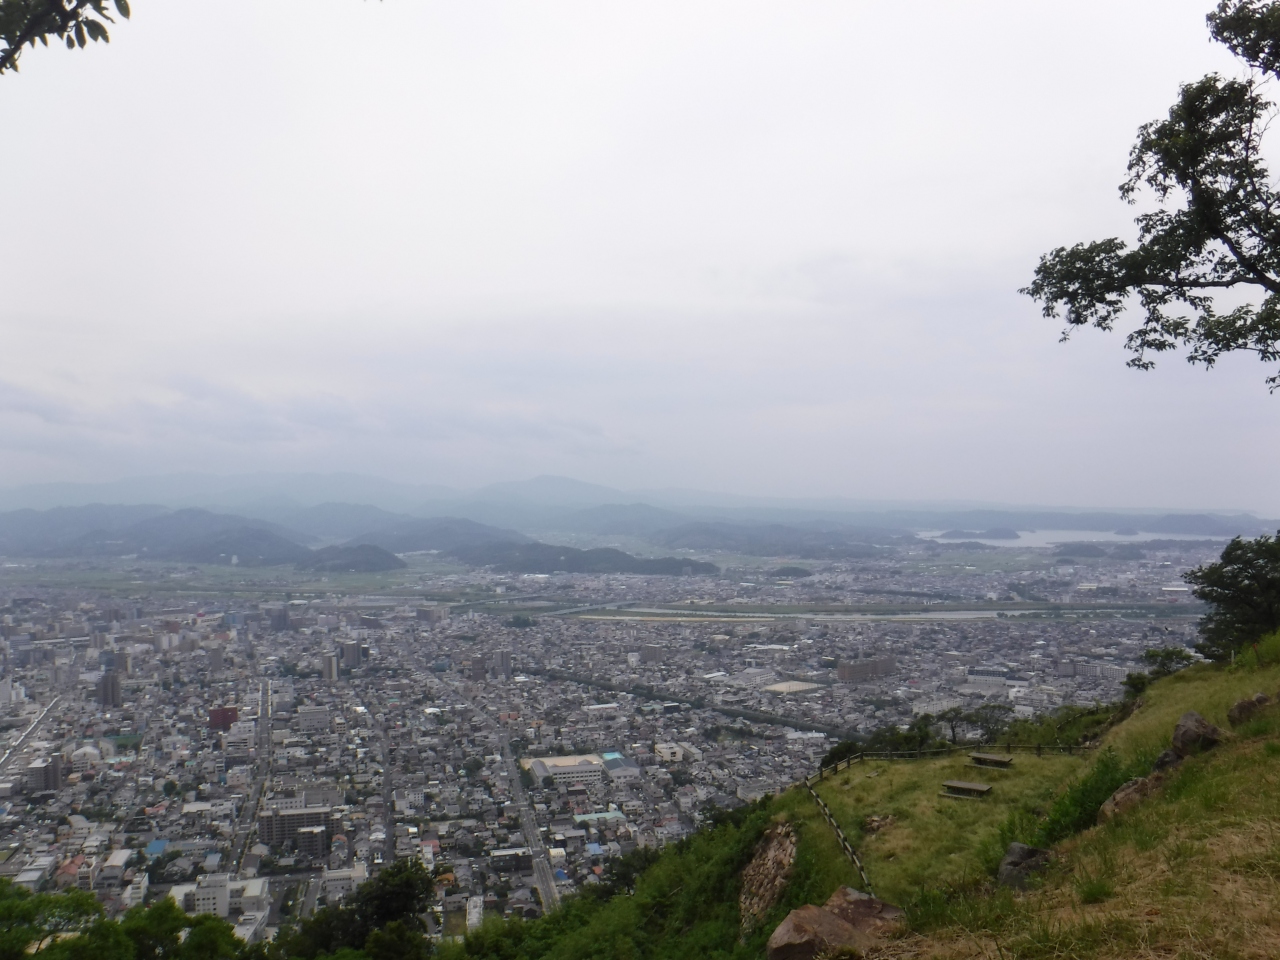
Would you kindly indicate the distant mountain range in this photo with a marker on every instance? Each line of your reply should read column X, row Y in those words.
column 269, row 519
column 336, row 507
column 193, row 536
column 200, row 536
column 185, row 536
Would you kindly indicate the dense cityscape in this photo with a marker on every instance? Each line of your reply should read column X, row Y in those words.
column 260, row 746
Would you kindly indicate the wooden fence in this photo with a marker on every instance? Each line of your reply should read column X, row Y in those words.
column 845, row 845
column 934, row 752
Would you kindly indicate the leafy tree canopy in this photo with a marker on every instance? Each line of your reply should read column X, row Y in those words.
column 1166, row 660
column 1214, row 226
column 1242, row 590
column 381, row 920
column 74, row 22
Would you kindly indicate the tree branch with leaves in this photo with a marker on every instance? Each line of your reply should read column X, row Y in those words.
column 1215, row 226
column 76, row 23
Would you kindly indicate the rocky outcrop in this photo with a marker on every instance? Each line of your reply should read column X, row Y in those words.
column 849, row 924
column 1126, row 798
column 1019, row 863
column 1193, row 734
column 1245, row 709
column 869, row 914
column 766, row 875
column 810, row 931
column 1166, row 760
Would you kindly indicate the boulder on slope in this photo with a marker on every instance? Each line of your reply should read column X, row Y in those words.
column 1193, row 734
column 869, row 914
column 810, row 931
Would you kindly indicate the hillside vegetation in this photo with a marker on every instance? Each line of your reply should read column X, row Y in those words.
column 1194, row 871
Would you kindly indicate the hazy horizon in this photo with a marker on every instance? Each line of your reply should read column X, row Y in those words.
column 310, row 489
column 772, row 251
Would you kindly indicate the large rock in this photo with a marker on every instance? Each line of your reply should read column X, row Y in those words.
column 869, row 914
column 1194, row 733
column 811, row 930
column 1020, row 861
column 1245, row 709
column 1126, row 798
column 1241, row 712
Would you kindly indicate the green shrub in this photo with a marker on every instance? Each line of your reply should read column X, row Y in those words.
column 1094, row 889
column 1076, row 808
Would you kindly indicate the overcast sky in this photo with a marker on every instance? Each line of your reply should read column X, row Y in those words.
column 760, row 247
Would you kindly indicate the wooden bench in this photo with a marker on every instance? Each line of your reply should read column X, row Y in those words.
column 991, row 760
column 963, row 790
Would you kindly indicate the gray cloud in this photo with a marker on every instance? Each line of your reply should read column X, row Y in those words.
column 760, row 248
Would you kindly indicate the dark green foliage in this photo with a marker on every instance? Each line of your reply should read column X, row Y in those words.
column 684, row 907
column 209, row 938
column 1135, row 683
column 791, row 573
column 1166, row 660
column 1250, row 30
column 991, row 718
column 623, row 872
column 841, row 751
column 1068, row 726
column 156, row 931
column 1243, row 592
column 41, row 922
column 520, row 621
column 951, row 718
column 1076, row 808
column 398, row 940
column 102, row 940
column 549, row 558
column 917, row 736
column 1073, row 810
column 74, row 22
column 1214, row 226
column 389, row 904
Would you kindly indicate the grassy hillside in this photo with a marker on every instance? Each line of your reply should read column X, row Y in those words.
column 1192, row 872
column 935, row 841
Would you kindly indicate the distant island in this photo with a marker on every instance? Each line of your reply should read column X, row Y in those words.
column 996, row 533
